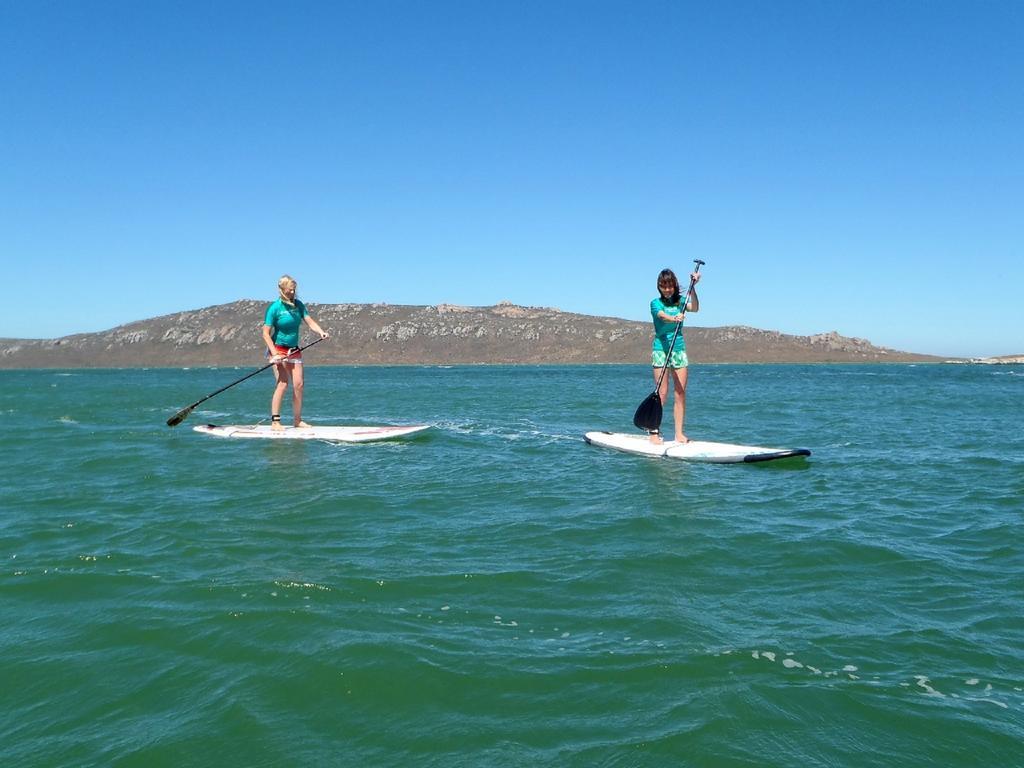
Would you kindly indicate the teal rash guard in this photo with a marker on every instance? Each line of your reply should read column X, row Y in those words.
column 285, row 322
column 664, row 330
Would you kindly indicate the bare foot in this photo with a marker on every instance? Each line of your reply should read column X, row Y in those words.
column 682, row 439
column 656, row 438
column 302, row 424
column 277, row 426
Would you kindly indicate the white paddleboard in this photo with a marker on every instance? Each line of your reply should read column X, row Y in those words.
column 695, row 450
column 335, row 434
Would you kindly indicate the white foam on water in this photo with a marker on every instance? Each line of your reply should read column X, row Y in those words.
column 988, row 694
column 301, row 585
column 924, row 683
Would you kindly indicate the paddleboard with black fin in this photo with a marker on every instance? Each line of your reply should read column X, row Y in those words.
column 695, row 450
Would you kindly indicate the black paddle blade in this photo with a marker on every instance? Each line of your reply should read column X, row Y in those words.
column 648, row 415
column 179, row 417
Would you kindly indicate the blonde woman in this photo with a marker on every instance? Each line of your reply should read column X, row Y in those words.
column 282, row 325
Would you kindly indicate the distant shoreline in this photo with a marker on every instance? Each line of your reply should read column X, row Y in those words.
column 321, row 366
column 228, row 335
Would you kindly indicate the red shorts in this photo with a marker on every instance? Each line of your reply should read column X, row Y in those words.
column 296, row 357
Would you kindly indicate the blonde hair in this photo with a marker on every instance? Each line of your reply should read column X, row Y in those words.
column 282, row 284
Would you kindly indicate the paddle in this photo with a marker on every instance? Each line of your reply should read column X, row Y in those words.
column 181, row 415
column 648, row 415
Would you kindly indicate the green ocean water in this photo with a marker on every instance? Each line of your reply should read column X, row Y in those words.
column 497, row 592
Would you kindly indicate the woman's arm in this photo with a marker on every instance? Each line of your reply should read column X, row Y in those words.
column 315, row 326
column 692, row 302
column 269, row 342
column 693, row 305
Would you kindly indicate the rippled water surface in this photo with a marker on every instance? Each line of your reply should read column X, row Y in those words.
column 497, row 592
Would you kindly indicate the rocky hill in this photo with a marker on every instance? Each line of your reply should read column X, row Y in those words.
column 374, row 334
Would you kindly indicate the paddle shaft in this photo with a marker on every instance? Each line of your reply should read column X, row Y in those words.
column 679, row 327
column 181, row 415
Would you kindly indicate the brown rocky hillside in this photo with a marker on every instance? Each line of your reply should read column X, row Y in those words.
column 374, row 334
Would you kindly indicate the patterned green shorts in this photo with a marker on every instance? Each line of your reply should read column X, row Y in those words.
column 678, row 359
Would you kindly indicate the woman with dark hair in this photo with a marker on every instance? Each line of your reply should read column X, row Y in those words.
column 667, row 311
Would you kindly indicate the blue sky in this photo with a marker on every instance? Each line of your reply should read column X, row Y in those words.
column 851, row 166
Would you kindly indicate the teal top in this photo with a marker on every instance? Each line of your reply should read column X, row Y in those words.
column 665, row 330
column 285, row 322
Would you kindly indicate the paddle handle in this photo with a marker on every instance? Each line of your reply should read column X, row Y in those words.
column 679, row 326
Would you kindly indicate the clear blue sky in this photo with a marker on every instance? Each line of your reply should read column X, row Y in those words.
column 849, row 166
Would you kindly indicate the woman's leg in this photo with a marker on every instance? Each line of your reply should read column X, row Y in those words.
column 281, row 376
column 297, row 383
column 662, row 395
column 679, row 376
